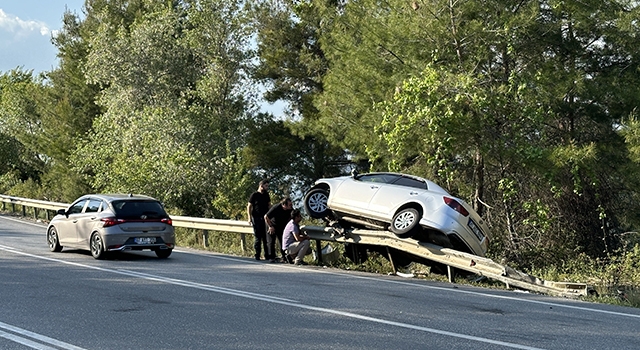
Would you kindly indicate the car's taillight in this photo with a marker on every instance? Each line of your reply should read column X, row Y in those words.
column 455, row 205
column 167, row 221
column 106, row 222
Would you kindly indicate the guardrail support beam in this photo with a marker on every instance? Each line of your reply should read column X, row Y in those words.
column 451, row 273
column 205, row 238
column 393, row 266
column 319, row 250
column 243, row 242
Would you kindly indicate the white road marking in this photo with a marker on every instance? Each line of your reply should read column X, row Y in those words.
column 30, row 343
column 275, row 300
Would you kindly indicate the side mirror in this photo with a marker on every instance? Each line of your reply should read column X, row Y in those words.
column 62, row 212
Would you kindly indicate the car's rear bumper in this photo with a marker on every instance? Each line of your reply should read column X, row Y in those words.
column 120, row 241
column 117, row 248
column 450, row 226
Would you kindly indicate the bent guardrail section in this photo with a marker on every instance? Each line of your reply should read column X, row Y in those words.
column 449, row 257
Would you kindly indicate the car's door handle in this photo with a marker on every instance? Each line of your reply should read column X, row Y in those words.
column 93, row 218
column 374, row 187
column 74, row 221
column 413, row 193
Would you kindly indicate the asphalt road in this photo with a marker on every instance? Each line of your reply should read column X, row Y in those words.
column 198, row 300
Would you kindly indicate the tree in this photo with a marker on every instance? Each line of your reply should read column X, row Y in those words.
column 292, row 65
column 527, row 114
column 171, row 76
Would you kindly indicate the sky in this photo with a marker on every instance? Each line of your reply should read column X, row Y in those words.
column 26, row 27
column 25, row 32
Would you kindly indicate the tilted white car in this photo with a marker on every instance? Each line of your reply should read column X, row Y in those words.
column 407, row 205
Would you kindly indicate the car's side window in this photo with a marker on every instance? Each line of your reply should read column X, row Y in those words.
column 379, row 178
column 409, row 182
column 77, row 208
column 93, row 206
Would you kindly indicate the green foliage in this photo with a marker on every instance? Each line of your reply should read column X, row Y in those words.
column 174, row 109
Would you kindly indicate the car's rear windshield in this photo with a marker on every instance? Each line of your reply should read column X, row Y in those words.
column 139, row 209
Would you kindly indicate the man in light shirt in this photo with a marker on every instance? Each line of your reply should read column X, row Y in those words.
column 295, row 243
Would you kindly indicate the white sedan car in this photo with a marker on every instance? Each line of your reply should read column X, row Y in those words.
column 407, row 205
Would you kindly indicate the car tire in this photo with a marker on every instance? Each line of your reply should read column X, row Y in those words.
column 53, row 240
column 163, row 253
column 315, row 203
column 405, row 223
column 97, row 247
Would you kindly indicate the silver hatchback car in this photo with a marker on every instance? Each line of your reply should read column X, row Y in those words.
column 408, row 205
column 112, row 222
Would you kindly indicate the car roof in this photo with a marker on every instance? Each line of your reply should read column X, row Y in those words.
column 430, row 184
column 110, row 197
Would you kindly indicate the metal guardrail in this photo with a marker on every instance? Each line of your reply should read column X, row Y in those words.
column 33, row 203
column 451, row 258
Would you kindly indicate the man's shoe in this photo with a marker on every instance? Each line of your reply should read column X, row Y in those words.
column 257, row 258
column 298, row 263
column 272, row 260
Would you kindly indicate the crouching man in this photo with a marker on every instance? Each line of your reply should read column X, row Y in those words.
column 294, row 243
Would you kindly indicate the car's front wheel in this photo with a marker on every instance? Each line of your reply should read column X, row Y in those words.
column 163, row 253
column 53, row 240
column 315, row 203
column 97, row 247
column 405, row 223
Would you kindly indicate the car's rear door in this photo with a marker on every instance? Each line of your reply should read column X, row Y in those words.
column 354, row 194
column 87, row 221
column 391, row 196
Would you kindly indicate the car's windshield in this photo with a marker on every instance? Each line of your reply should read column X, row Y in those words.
column 136, row 209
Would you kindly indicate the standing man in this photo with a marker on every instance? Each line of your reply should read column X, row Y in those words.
column 276, row 219
column 259, row 203
column 293, row 241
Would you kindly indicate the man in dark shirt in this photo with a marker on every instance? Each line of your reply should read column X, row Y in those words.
column 259, row 203
column 276, row 219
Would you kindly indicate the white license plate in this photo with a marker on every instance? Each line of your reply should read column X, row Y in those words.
column 476, row 230
column 145, row 240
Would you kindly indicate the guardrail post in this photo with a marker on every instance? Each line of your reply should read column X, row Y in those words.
column 46, row 214
column 13, row 207
column 205, row 238
column 243, row 242
column 24, row 210
column 451, row 273
column 35, row 213
column 319, row 250
column 393, row 266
